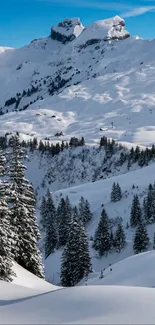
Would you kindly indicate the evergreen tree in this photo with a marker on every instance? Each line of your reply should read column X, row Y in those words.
column 113, row 193
column 50, row 225
column 6, row 240
column 112, row 240
column 102, row 241
column 68, row 208
column 23, row 219
column 75, row 212
column 136, row 213
column 154, row 241
column 149, row 205
column 141, row 239
column 118, row 193
column 119, row 237
column 64, row 222
column 85, row 213
column 43, row 214
column 75, row 258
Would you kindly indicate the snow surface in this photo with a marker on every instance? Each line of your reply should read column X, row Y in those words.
column 107, row 29
column 26, row 279
column 80, row 305
column 137, row 271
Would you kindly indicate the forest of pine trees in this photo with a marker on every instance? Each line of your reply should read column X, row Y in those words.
column 63, row 226
column 18, row 227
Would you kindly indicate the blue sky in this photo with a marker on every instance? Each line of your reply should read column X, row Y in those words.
column 23, row 20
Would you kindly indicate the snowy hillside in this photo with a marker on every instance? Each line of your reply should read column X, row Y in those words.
column 86, row 87
column 134, row 271
column 98, row 193
column 84, row 305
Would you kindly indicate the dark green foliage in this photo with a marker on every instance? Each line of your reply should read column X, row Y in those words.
column 154, row 241
column 119, row 237
column 75, row 142
column 136, row 213
column 64, row 222
column 76, row 262
column 10, row 101
column 43, row 214
column 22, row 208
column 141, row 239
column 50, row 225
column 149, row 205
column 6, row 241
column 85, row 214
column 102, row 242
column 116, row 193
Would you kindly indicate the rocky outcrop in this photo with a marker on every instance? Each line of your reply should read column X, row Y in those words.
column 67, row 30
column 106, row 30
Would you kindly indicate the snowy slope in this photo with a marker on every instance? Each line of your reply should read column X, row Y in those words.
column 134, row 271
column 98, row 193
column 86, row 88
column 26, row 279
column 84, row 305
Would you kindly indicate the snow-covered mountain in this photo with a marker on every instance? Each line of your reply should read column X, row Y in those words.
column 89, row 82
column 98, row 76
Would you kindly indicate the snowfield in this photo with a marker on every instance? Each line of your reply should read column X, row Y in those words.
column 78, row 305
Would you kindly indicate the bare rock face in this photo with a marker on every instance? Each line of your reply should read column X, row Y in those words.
column 67, row 30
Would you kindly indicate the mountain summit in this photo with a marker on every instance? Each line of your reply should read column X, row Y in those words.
column 106, row 29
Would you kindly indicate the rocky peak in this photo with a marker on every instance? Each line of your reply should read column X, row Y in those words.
column 67, row 30
column 106, row 30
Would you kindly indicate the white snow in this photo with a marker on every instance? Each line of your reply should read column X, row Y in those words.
column 80, row 305
column 137, row 271
column 106, row 29
column 26, row 279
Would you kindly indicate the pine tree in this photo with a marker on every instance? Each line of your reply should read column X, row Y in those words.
column 6, row 240
column 112, row 240
column 119, row 237
column 75, row 258
column 75, row 212
column 85, row 213
column 141, row 239
column 22, row 208
column 154, row 241
column 81, row 207
column 149, row 205
column 113, row 193
column 43, row 214
column 50, row 225
column 102, row 241
column 118, row 193
column 68, row 208
column 64, row 222
column 136, row 213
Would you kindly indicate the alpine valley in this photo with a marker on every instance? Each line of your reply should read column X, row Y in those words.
column 77, row 111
